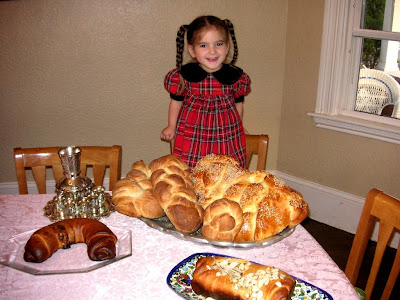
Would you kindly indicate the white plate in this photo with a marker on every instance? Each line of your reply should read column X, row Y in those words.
column 163, row 224
column 63, row 261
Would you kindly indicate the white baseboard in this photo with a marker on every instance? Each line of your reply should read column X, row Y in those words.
column 327, row 205
column 332, row 207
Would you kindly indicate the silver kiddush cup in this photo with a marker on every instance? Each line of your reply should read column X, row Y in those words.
column 73, row 181
column 77, row 197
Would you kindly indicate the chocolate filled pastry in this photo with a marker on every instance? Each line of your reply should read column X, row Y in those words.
column 231, row 278
column 43, row 243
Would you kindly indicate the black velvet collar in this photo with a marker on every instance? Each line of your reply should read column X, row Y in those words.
column 228, row 74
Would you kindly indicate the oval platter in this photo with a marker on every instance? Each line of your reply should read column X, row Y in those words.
column 163, row 224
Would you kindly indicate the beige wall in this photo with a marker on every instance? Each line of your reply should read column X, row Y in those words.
column 91, row 72
column 345, row 162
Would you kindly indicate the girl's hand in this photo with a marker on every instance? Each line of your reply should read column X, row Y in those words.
column 168, row 134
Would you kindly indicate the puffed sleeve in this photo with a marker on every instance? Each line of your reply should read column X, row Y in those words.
column 172, row 84
column 242, row 87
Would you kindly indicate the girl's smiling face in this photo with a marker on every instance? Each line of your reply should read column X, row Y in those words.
column 210, row 50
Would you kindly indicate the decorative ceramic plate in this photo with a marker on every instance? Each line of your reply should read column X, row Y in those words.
column 163, row 224
column 63, row 261
column 180, row 276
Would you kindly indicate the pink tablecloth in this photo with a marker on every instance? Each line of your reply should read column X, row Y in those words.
column 154, row 254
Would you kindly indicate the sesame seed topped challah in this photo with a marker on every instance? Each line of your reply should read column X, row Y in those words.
column 267, row 203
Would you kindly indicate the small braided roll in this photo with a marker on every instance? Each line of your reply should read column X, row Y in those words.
column 133, row 196
column 173, row 188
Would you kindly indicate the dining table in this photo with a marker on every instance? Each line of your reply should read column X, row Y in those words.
column 153, row 257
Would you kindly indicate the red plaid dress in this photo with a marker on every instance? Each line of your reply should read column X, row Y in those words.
column 208, row 121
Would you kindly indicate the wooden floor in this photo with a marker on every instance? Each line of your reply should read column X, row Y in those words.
column 337, row 243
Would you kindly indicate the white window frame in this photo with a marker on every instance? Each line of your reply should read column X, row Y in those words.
column 338, row 75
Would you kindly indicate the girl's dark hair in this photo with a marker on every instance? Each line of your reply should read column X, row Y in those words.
column 195, row 27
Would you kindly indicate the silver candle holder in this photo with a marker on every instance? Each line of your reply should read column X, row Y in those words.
column 76, row 195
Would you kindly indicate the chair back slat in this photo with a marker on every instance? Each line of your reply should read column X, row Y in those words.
column 58, row 172
column 380, row 207
column 37, row 159
column 39, row 174
column 394, row 274
column 115, row 165
column 20, row 170
column 98, row 173
column 83, row 169
column 385, row 232
column 257, row 145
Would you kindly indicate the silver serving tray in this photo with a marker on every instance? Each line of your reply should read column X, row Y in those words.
column 163, row 224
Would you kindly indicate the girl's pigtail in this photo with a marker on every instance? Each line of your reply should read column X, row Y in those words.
column 235, row 46
column 180, row 44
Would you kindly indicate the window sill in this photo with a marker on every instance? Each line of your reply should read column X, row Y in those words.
column 366, row 128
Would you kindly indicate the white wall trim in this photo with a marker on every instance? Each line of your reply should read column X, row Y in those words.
column 327, row 205
column 365, row 128
column 332, row 207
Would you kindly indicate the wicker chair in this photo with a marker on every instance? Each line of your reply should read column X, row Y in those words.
column 375, row 90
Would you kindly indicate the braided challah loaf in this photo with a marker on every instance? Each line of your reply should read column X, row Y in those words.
column 164, row 187
column 133, row 195
column 268, row 205
column 173, row 188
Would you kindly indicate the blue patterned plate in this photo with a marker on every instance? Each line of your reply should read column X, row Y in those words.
column 180, row 276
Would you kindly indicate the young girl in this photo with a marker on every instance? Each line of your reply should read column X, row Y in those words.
column 206, row 108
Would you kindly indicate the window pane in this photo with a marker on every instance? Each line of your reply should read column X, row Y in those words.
column 371, row 53
column 381, row 15
column 378, row 90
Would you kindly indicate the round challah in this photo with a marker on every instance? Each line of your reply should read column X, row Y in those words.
column 222, row 220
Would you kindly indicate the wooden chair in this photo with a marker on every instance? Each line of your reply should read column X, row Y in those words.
column 386, row 209
column 38, row 159
column 255, row 145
